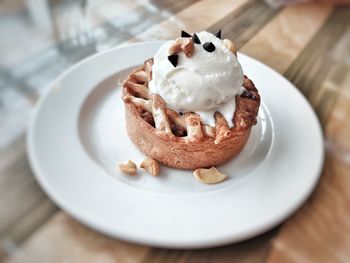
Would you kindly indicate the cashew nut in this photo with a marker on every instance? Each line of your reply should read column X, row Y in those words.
column 209, row 176
column 230, row 45
column 129, row 168
column 150, row 166
column 182, row 44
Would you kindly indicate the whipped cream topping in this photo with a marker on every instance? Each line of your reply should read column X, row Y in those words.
column 204, row 83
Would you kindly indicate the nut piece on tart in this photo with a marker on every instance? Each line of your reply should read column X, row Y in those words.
column 188, row 114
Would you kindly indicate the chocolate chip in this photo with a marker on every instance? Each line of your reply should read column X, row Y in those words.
column 195, row 39
column 247, row 95
column 185, row 34
column 218, row 34
column 173, row 59
column 148, row 117
column 178, row 130
column 208, row 46
column 244, row 94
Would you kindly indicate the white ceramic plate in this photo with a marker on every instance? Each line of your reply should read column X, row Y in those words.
column 77, row 138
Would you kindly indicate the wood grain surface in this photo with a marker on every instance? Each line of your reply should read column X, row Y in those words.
column 308, row 44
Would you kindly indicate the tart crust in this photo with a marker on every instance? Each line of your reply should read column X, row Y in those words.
column 182, row 141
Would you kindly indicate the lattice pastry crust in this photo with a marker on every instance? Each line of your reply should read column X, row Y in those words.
column 182, row 140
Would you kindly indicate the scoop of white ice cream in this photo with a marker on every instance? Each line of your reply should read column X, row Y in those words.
column 204, row 83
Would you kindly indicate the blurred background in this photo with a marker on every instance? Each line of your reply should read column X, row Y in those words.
column 39, row 39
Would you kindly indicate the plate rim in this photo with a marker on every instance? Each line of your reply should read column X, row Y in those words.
column 40, row 175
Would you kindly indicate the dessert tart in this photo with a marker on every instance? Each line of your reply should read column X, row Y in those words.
column 183, row 112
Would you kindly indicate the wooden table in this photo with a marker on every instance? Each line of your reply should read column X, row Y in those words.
column 308, row 44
